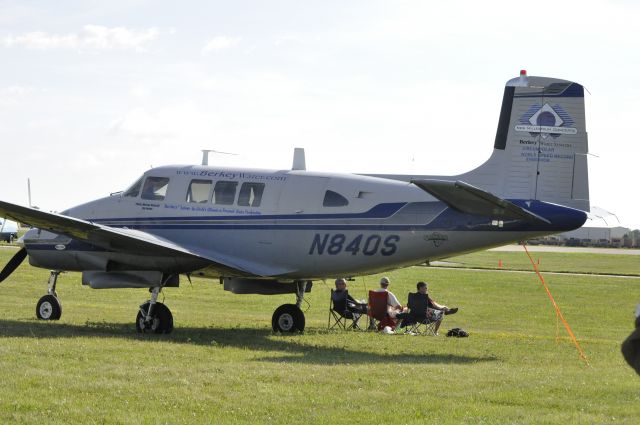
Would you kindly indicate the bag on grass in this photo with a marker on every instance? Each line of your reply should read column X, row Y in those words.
column 460, row 333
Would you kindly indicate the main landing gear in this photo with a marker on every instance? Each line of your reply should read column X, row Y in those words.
column 49, row 307
column 154, row 317
column 289, row 317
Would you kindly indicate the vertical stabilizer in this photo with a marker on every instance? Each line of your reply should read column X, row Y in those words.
column 541, row 144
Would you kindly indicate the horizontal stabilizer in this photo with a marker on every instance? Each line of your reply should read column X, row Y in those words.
column 469, row 199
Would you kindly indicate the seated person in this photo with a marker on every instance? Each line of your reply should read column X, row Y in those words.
column 354, row 307
column 394, row 308
column 432, row 305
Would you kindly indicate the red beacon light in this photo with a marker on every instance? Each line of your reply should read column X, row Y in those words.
column 523, row 80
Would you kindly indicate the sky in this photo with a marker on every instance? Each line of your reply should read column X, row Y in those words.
column 94, row 93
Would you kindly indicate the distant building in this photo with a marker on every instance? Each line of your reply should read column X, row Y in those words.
column 609, row 236
column 614, row 237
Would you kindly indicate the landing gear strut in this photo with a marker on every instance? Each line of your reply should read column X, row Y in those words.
column 154, row 317
column 289, row 317
column 49, row 307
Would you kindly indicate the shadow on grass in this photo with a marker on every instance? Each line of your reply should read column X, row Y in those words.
column 293, row 347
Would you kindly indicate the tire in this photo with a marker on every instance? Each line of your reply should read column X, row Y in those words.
column 288, row 318
column 161, row 319
column 48, row 308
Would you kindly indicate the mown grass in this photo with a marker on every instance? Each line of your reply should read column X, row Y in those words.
column 569, row 262
column 222, row 364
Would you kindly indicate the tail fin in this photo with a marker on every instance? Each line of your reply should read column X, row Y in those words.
column 541, row 144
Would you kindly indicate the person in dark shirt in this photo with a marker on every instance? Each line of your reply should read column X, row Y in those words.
column 631, row 345
column 432, row 305
column 353, row 306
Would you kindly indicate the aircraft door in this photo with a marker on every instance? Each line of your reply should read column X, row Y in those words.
column 302, row 194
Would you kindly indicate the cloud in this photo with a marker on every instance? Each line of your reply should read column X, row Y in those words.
column 220, row 43
column 92, row 37
column 165, row 124
column 11, row 95
column 16, row 90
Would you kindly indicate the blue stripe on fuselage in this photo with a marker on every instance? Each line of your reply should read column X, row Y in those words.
column 561, row 218
column 385, row 210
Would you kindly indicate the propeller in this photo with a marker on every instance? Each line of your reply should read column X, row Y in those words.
column 13, row 264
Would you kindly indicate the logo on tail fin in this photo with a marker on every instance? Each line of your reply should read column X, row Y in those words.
column 546, row 121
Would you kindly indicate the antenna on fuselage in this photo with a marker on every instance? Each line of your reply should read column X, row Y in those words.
column 298, row 159
column 29, row 193
column 205, row 155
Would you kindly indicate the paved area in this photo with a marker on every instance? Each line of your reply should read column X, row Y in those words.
column 547, row 248
column 445, row 266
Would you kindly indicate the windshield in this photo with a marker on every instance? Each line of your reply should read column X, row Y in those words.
column 134, row 190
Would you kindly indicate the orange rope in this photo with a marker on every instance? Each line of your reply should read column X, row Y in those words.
column 558, row 312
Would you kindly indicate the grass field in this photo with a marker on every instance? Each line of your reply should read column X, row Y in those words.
column 222, row 364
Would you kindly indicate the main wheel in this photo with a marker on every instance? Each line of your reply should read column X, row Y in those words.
column 288, row 318
column 49, row 308
column 161, row 319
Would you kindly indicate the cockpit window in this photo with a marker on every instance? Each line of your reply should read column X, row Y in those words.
column 334, row 199
column 134, row 190
column 199, row 191
column 155, row 188
column 250, row 194
column 224, row 193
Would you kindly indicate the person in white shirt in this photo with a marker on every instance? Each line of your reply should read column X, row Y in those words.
column 393, row 305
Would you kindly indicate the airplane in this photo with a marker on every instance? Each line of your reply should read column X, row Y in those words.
column 276, row 231
column 8, row 230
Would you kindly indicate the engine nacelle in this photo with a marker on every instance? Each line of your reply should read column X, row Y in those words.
column 262, row 287
column 129, row 279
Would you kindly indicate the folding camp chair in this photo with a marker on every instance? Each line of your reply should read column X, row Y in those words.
column 340, row 313
column 421, row 319
column 377, row 311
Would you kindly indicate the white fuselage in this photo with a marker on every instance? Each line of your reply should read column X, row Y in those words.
column 288, row 224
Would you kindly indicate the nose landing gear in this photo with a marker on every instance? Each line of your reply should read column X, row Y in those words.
column 154, row 317
column 49, row 307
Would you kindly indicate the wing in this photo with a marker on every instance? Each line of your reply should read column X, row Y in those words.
column 469, row 199
column 123, row 240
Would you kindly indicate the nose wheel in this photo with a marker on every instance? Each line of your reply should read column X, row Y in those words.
column 49, row 307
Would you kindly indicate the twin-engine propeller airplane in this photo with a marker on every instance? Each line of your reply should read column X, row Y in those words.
column 274, row 232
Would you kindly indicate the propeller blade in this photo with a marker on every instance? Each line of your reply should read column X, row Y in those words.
column 13, row 264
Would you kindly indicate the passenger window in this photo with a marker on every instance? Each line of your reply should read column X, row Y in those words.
column 134, row 190
column 250, row 194
column 199, row 191
column 155, row 188
column 334, row 199
column 224, row 193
